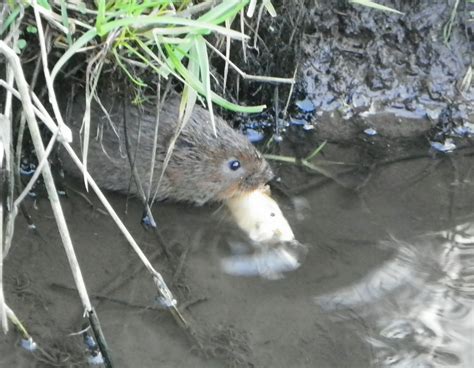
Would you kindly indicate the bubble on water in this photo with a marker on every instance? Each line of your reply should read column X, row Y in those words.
column 149, row 221
column 447, row 146
column 27, row 168
column 370, row 132
column 165, row 302
column 277, row 138
column 308, row 126
column 305, row 105
column 90, row 342
column 96, row 359
column 466, row 130
column 254, row 136
column 297, row 122
column 28, row 344
column 26, row 172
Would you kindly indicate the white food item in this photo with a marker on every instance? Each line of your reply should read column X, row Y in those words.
column 260, row 217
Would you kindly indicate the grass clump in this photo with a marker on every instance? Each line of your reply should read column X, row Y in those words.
column 156, row 38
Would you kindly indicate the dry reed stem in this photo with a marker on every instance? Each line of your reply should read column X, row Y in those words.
column 163, row 289
column 5, row 152
column 93, row 72
column 35, row 134
column 65, row 132
column 244, row 75
column 16, row 322
column 23, row 89
column 3, row 313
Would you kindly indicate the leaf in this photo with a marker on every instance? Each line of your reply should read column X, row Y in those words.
column 31, row 29
column 11, row 18
column 100, row 20
column 223, row 11
column 44, row 4
column 65, row 20
column 21, row 43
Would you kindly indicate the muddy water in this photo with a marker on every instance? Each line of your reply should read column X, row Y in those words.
column 387, row 281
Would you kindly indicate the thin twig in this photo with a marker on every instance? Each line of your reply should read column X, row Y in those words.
column 3, row 313
column 251, row 76
column 93, row 72
column 162, row 288
column 158, row 279
column 290, row 94
column 65, row 132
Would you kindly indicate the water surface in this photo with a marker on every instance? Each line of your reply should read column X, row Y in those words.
column 388, row 280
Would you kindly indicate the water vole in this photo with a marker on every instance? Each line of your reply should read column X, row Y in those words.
column 204, row 167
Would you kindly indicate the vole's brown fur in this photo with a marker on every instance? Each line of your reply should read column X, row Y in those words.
column 199, row 170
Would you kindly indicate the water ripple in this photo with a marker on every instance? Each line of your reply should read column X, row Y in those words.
column 419, row 304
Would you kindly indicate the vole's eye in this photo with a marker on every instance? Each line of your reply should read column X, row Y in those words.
column 234, row 165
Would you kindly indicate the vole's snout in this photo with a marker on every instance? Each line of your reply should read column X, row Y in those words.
column 259, row 178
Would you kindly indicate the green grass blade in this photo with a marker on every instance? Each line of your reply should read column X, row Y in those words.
column 65, row 19
column 11, row 18
column 316, row 151
column 135, row 52
column 100, row 20
column 138, row 82
column 81, row 41
column 197, row 85
column 163, row 70
column 189, row 96
column 223, row 11
column 44, row 4
column 196, row 26
column 203, row 61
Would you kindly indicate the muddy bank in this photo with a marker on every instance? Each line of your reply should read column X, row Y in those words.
column 361, row 68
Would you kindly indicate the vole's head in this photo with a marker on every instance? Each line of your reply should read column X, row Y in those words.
column 244, row 170
column 210, row 167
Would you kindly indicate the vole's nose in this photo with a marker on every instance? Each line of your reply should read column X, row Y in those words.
column 259, row 178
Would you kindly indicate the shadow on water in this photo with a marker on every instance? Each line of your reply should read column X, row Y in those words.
column 388, row 279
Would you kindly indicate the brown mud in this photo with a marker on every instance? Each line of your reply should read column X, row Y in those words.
column 361, row 68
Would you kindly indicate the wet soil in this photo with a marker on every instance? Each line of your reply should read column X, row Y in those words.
column 363, row 68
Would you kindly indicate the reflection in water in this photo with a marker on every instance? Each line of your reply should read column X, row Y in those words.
column 420, row 304
column 269, row 262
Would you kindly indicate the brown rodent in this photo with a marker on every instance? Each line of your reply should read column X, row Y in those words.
column 203, row 168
